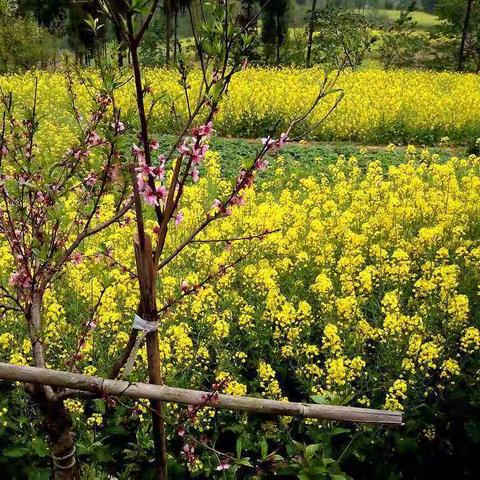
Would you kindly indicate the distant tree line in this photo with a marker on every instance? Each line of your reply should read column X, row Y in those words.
column 334, row 33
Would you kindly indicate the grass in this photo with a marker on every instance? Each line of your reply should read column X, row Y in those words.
column 424, row 20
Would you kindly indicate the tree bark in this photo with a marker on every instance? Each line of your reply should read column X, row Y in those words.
column 279, row 38
column 466, row 23
column 311, row 26
column 175, row 36
column 57, row 421
column 167, row 5
column 59, row 428
column 148, row 301
column 147, row 280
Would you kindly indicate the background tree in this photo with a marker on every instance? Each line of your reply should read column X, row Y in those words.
column 275, row 27
column 462, row 24
column 47, row 12
column 24, row 43
column 343, row 37
column 311, row 28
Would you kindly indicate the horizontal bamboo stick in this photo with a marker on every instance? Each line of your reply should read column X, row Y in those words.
column 122, row 388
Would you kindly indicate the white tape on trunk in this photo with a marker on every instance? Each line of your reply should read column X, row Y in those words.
column 145, row 327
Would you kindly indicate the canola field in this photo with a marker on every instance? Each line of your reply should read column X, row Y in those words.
column 365, row 294
column 378, row 107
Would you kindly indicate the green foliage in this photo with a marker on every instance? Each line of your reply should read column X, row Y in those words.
column 453, row 12
column 342, row 37
column 402, row 45
column 23, row 43
column 275, row 28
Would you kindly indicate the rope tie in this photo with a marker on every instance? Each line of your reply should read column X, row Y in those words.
column 145, row 328
column 57, row 460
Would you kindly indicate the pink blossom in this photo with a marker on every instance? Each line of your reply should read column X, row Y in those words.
column 217, row 204
column 138, row 153
column 204, row 130
column 141, row 182
column 119, row 126
column 145, row 170
column 238, row 200
column 77, row 258
column 41, row 197
column 103, row 100
column 188, row 449
column 80, row 154
column 178, row 218
column 19, row 279
column 154, row 144
column 149, row 196
column 224, row 465
column 245, row 179
column 184, row 286
column 90, row 179
column 23, row 179
column 159, row 172
column 94, row 139
column 268, row 142
column 184, row 149
column 161, row 192
column 283, row 139
column 198, row 154
column 261, row 164
column 195, row 175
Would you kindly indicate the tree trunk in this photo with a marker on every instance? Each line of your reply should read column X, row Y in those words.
column 57, row 421
column 147, row 284
column 310, row 32
column 167, row 5
column 147, row 276
column 466, row 23
column 175, row 36
column 278, row 39
column 59, row 428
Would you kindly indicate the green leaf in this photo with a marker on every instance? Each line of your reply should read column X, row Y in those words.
column 263, row 448
column 311, row 450
column 15, row 452
column 99, row 405
column 239, row 447
column 319, row 399
column 35, row 473
column 40, row 447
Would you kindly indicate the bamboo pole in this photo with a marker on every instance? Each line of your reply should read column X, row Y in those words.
column 102, row 386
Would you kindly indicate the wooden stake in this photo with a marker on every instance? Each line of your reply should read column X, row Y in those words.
column 163, row 393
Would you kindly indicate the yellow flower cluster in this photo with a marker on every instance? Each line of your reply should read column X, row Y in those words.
column 378, row 106
column 396, row 394
column 366, row 292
